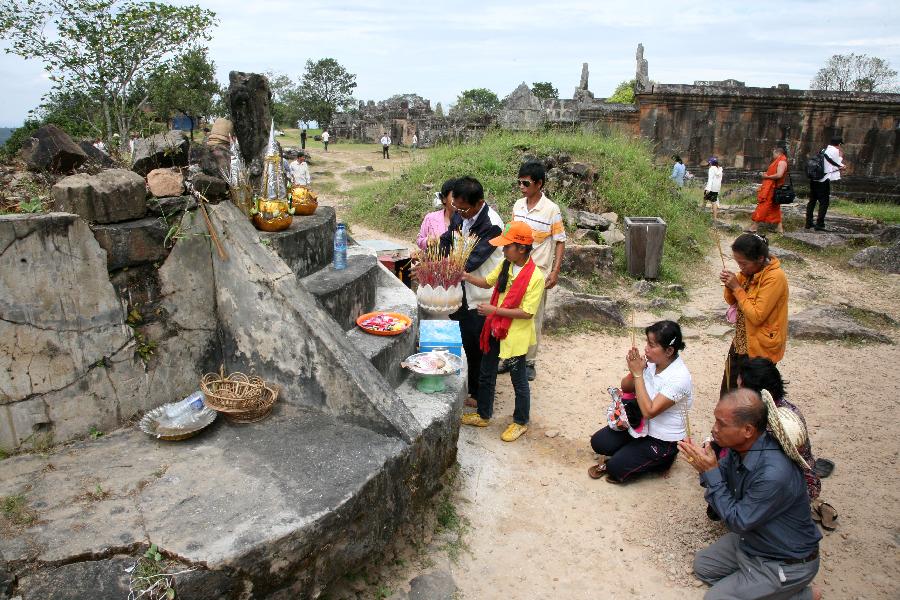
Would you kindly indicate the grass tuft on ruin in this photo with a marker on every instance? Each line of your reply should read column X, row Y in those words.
column 627, row 182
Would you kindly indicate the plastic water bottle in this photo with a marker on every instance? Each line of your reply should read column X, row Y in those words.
column 186, row 410
column 340, row 247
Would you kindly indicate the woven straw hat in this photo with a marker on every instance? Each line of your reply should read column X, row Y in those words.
column 787, row 428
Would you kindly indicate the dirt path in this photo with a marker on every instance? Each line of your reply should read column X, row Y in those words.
column 538, row 527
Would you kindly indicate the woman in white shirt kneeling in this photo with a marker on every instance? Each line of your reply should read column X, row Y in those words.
column 663, row 391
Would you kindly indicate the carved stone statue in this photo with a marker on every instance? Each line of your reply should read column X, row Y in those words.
column 641, row 76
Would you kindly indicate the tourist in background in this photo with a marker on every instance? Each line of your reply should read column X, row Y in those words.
column 758, row 297
column 544, row 218
column 385, row 146
column 325, row 138
column 772, row 547
column 713, row 182
column 299, row 171
column 518, row 286
column 678, row 171
column 473, row 216
column 415, row 141
column 663, row 388
column 436, row 223
column 767, row 210
column 303, row 139
column 820, row 191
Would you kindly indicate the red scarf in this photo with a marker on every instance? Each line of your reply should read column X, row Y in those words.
column 499, row 326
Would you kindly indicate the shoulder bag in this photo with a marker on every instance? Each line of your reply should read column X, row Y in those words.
column 785, row 194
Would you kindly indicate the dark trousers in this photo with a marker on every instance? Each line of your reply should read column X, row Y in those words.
column 630, row 456
column 734, row 362
column 326, row 146
column 819, row 191
column 470, row 326
column 303, row 142
column 385, row 152
column 487, row 384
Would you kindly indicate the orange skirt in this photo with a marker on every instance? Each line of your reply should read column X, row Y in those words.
column 767, row 210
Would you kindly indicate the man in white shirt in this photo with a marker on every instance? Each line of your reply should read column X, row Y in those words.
column 545, row 220
column 415, row 141
column 325, row 137
column 385, row 146
column 820, row 191
column 299, row 171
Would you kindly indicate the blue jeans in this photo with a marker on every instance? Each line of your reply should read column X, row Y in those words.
column 487, row 384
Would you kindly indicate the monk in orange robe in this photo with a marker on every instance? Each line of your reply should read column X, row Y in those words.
column 767, row 210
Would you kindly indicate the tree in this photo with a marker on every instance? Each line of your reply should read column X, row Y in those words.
column 188, row 85
column 479, row 101
column 284, row 99
column 855, row 73
column 624, row 93
column 104, row 49
column 326, row 87
column 544, row 90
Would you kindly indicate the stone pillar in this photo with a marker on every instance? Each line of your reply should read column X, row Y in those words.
column 249, row 100
column 641, row 75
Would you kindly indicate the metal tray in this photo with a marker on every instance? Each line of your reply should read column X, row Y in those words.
column 157, row 424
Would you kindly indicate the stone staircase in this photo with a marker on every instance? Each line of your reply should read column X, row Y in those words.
column 276, row 509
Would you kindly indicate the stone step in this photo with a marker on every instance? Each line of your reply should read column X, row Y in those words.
column 386, row 352
column 308, row 245
column 348, row 293
column 281, row 507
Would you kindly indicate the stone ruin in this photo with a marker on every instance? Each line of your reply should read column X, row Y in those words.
column 115, row 304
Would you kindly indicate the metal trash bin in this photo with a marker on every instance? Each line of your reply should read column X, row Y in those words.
column 644, row 238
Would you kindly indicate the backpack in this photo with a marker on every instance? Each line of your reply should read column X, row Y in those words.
column 815, row 165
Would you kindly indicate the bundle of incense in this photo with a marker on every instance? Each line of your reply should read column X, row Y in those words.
column 687, row 418
column 445, row 270
column 716, row 233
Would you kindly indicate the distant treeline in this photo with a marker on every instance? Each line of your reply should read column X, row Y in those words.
column 5, row 132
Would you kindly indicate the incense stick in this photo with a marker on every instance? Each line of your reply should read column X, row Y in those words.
column 716, row 233
column 632, row 328
column 687, row 419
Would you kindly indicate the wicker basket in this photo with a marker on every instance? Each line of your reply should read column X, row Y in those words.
column 240, row 398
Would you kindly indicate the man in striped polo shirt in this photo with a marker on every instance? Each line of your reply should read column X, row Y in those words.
column 545, row 220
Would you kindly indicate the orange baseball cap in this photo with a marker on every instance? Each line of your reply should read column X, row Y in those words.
column 516, row 232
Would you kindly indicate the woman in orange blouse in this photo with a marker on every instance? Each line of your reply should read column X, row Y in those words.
column 767, row 210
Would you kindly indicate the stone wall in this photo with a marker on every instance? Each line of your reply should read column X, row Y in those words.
column 740, row 125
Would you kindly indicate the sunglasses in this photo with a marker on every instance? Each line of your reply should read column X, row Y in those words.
column 525, row 182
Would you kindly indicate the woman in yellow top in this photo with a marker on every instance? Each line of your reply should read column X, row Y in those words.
column 509, row 326
column 759, row 294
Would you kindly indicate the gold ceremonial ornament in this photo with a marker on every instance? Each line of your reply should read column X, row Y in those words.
column 303, row 200
column 272, row 210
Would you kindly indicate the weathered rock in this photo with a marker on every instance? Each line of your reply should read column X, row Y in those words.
column 170, row 207
column 785, row 255
column 890, row 234
column 104, row 579
column 659, row 303
column 611, row 217
column 161, row 150
column 522, row 110
column 51, row 149
column 588, row 220
column 675, row 289
column 831, row 323
column 132, row 243
column 437, row 585
column 210, row 159
column 580, row 170
column 567, row 283
column 886, row 260
column 249, row 100
column 569, row 308
column 589, row 259
column 59, row 314
column 165, row 182
column 96, row 155
column 643, row 287
column 586, row 234
column 612, row 236
column 110, row 196
column 212, row 188
column 821, row 241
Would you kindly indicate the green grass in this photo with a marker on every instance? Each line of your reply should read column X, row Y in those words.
column 627, row 183
column 15, row 509
column 880, row 211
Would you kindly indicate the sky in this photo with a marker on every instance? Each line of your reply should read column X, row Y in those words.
column 438, row 49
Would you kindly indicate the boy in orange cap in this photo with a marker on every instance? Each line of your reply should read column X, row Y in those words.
column 509, row 326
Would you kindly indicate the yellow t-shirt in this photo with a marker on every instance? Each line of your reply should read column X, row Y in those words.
column 521, row 331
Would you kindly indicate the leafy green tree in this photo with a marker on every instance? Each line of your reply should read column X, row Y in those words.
column 326, row 87
column 544, row 90
column 478, row 101
column 624, row 93
column 284, row 99
column 188, row 85
column 104, row 49
column 855, row 73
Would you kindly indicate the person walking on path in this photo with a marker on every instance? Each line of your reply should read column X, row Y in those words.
column 767, row 210
column 820, row 191
column 678, row 171
column 713, row 182
column 509, row 326
column 545, row 220
column 385, row 146
column 325, row 138
column 771, row 550
column 303, row 139
column 758, row 297
column 472, row 216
